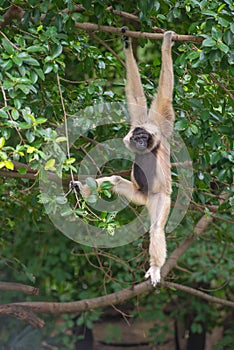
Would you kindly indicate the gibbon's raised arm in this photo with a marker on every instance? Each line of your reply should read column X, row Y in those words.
column 161, row 110
column 150, row 183
column 137, row 106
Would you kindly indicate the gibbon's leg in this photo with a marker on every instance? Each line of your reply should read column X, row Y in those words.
column 161, row 111
column 120, row 186
column 134, row 91
column 159, row 206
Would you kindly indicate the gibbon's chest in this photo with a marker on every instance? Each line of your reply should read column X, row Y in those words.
column 144, row 170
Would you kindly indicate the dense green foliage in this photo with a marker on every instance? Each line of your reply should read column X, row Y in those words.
column 44, row 55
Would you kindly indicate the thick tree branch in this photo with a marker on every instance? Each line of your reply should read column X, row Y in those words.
column 143, row 35
column 23, row 313
column 120, row 296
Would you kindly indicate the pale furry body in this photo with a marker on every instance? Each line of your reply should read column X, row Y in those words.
column 158, row 125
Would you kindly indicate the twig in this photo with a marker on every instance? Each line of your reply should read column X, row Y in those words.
column 197, row 293
column 124, row 14
column 222, row 86
column 94, row 36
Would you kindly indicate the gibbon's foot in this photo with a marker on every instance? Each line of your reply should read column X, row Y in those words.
column 84, row 190
column 154, row 274
column 124, row 37
column 74, row 185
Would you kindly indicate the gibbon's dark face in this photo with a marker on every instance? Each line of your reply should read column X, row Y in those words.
column 141, row 140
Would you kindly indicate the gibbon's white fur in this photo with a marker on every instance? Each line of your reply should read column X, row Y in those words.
column 150, row 183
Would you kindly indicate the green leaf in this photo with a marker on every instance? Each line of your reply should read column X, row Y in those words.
column 61, row 139
column 22, row 170
column 56, row 51
column 35, row 48
column 209, row 42
column 8, row 46
column 40, row 120
column 9, row 165
column 223, row 47
column 92, row 183
column 15, row 114
column 106, row 185
column 181, row 124
column 2, row 142
column 70, row 161
column 17, row 60
column 31, row 61
column 223, row 22
column 50, row 165
column 40, row 73
column 3, row 114
column 48, row 67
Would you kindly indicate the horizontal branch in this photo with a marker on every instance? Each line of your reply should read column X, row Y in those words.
column 18, row 287
column 140, row 35
column 103, row 301
column 117, row 297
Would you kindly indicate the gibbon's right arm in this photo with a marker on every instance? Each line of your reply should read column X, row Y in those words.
column 161, row 111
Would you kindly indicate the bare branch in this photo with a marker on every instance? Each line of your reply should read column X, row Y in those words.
column 143, row 35
column 198, row 293
column 23, row 313
column 124, row 14
column 18, row 287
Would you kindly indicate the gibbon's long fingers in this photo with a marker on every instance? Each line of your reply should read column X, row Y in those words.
column 134, row 91
column 161, row 110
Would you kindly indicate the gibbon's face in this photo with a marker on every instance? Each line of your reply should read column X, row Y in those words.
column 140, row 140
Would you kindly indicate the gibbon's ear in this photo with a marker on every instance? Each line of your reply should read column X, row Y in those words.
column 137, row 106
column 161, row 110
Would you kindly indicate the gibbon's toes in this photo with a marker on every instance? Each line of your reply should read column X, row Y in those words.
column 154, row 274
column 83, row 190
column 75, row 185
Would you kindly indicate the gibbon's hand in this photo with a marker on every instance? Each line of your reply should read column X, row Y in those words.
column 125, row 38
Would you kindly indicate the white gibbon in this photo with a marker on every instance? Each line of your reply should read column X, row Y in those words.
column 150, row 183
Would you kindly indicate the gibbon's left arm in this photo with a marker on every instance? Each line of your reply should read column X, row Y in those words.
column 150, row 183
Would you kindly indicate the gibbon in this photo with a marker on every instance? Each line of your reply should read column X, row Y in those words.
column 150, row 183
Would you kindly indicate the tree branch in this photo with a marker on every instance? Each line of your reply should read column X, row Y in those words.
column 18, row 287
column 143, row 35
column 120, row 296
column 23, row 313
column 198, row 293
